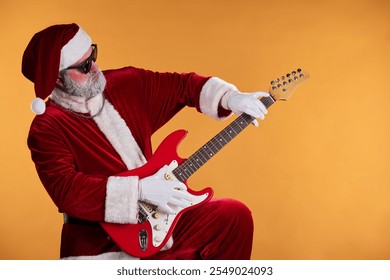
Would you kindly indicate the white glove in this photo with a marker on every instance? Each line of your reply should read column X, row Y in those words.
column 163, row 193
column 248, row 103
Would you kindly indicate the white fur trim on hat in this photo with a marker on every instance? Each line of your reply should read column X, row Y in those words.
column 75, row 49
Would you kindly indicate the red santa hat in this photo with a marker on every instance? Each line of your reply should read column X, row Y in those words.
column 50, row 51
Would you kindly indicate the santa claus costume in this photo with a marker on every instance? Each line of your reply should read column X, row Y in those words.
column 79, row 146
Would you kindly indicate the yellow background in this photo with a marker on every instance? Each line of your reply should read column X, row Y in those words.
column 315, row 173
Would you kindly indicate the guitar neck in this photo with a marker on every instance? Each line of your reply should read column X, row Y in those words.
column 208, row 150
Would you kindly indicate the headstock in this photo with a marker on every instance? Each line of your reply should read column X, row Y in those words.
column 283, row 87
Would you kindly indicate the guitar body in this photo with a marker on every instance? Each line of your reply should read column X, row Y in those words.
column 154, row 228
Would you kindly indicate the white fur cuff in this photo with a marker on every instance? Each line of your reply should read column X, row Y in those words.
column 211, row 96
column 122, row 200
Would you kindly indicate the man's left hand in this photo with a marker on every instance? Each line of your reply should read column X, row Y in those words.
column 248, row 103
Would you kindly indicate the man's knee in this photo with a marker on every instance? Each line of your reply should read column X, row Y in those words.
column 236, row 212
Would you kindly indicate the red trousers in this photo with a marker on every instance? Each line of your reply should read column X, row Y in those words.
column 221, row 229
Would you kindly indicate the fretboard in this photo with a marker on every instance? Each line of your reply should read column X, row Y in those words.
column 208, row 150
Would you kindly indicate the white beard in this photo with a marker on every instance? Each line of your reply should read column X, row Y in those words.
column 87, row 90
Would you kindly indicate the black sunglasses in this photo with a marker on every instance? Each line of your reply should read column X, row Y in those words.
column 86, row 65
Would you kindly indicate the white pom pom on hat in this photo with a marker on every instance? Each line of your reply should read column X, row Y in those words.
column 38, row 106
column 49, row 51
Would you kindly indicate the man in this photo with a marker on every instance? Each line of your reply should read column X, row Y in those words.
column 96, row 125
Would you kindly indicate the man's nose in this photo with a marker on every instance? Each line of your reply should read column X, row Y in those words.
column 94, row 67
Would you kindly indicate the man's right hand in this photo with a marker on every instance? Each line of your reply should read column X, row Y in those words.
column 163, row 193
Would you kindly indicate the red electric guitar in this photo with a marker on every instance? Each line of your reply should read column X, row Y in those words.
column 154, row 227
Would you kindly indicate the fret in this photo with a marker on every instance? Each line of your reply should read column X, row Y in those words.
column 190, row 167
column 201, row 157
column 217, row 141
column 213, row 146
column 203, row 154
column 267, row 101
column 196, row 162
